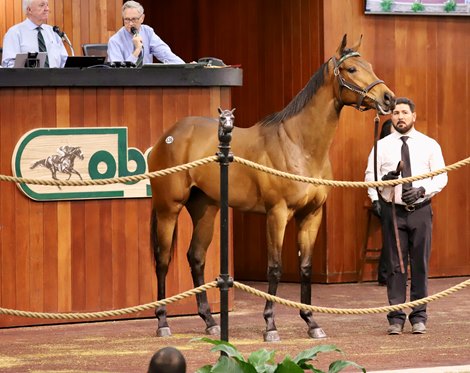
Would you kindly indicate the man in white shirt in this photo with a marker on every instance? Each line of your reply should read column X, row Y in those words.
column 136, row 42
column 420, row 154
column 28, row 36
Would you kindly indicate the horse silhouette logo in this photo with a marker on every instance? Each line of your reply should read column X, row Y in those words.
column 62, row 162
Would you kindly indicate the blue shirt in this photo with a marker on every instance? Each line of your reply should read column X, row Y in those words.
column 120, row 47
column 23, row 38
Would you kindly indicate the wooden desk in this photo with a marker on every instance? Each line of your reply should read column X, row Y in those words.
column 86, row 256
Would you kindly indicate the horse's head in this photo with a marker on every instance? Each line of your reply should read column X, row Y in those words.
column 226, row 119
column 76, row 151
column 358, row 85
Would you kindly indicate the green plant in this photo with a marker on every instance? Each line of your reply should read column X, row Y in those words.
column 262, row 361
column 417, row 7
column 386, row 5
column 450, row 5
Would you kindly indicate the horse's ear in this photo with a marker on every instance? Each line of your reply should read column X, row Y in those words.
column 233, row 110
column 219, row 110
column 357, row 45
column 342, row 45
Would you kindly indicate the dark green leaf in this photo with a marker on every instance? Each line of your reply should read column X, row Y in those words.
column 204, row 369
column 312, row 353
column 339, row 365
column 261, row 357
column 224, row 346
column 288, row 366
column 229, row 365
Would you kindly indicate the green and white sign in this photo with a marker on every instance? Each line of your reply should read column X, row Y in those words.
column 79, row 153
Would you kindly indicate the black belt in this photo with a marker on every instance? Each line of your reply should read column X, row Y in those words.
column 410, row 208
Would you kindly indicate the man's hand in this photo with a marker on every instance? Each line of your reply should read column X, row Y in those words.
column 376, row 209
column 411, row 195
column 392, row 175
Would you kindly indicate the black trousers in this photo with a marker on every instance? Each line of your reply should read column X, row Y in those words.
column 415, row 232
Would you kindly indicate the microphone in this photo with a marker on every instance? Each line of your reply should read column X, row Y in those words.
column 134, row 31
column 64, row 37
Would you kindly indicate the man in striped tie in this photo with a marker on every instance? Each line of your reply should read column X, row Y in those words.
column 34, row 35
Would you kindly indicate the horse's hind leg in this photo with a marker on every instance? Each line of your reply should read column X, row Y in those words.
column 162, row 233
column 307, row 234
column 203, row 211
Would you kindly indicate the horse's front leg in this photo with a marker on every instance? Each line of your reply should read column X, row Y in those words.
column 276, row 222
column 307, row 233
column 203, row 212
column 76, row 173
column 162, row 235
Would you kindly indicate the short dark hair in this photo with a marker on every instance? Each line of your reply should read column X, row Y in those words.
column 167, row 360
column 406, row 101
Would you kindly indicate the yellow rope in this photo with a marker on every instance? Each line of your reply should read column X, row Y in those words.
column 246, row 288
column 122, row 311
column 351, row 311
column 124, row 179
column 214, row 158
column 352, row 184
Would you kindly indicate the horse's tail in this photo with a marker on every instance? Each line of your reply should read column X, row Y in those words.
column 42, row 162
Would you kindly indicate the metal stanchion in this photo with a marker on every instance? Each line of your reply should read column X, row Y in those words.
column 225, row 282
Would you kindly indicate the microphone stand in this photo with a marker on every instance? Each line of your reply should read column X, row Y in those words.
column 66, row 39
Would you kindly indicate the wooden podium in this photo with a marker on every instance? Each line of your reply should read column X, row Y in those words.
column 94, row 254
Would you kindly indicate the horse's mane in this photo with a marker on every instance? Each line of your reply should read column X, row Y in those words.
column 303, row 97
column 300, row 100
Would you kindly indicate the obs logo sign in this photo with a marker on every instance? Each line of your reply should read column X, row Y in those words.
column 79, row 153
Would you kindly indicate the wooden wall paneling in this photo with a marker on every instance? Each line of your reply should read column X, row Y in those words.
column 78, row 216
column 92, row 228
column 51, row 257
column 416, row 70
column 452, row 60
column 63, row 215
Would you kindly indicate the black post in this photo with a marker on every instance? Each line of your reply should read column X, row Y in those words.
column 225, row 282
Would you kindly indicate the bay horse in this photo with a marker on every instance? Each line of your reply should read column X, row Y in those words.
column 296, row 140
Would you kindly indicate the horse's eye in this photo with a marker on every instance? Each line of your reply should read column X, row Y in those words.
column 352, row 69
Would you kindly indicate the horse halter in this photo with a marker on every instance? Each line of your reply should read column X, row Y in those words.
column 362, row 92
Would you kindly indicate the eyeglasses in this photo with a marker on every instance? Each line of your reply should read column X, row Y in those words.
column 133, row 20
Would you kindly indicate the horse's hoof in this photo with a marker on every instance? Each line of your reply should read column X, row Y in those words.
column 271, row 336
column 213, row 330
column 317, row 333
column 164, row 332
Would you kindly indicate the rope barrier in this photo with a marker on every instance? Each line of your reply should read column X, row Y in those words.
column 351, row 311
column 123, row 179
column 245, row 288
column 101, row 314
column 351, row 184
column 211, row 159
column 245, row 162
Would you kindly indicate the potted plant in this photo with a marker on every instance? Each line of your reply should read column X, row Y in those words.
column 262, row 361
column 450, row 6
column 386, row 5
column 417, row 6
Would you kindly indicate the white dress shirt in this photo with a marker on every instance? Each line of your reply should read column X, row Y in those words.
column 23, row 38
column 425, row 156
column 120, row 47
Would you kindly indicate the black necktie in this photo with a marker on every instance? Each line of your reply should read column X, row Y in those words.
column 140, row 59
column 42, row 45
column 405, row 157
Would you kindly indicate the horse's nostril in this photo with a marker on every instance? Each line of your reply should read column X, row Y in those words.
column 388, row 98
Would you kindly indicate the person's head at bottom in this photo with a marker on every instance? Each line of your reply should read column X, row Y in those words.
column 167, row 360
